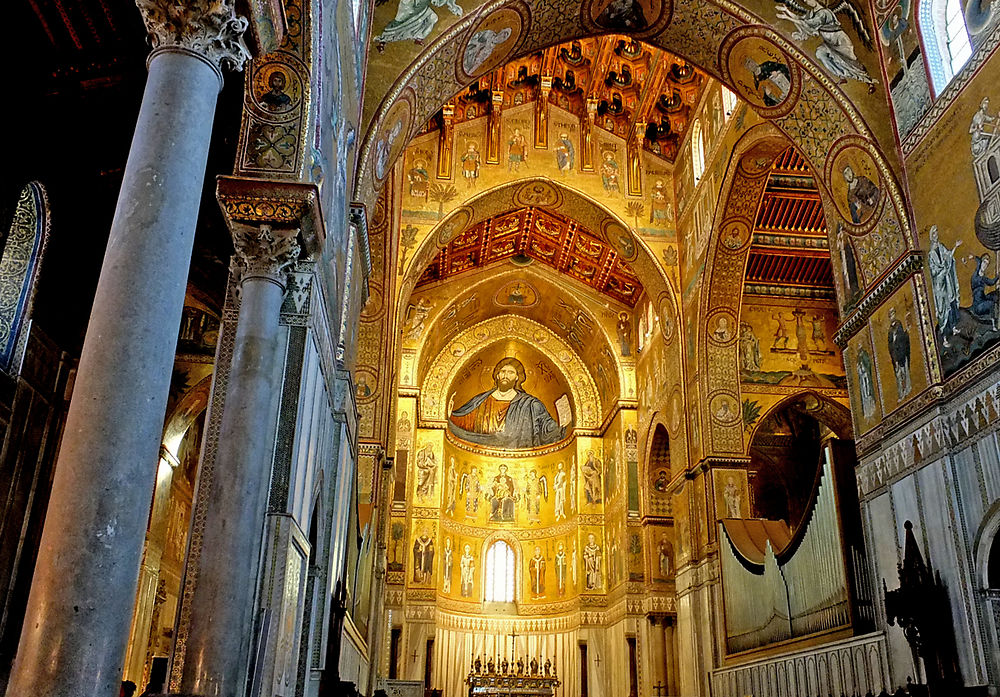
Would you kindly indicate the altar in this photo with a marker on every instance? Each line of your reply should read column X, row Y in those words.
column 521, row 678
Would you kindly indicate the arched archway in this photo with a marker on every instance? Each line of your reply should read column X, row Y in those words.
column 786, row 451
column 554, row 196
column 716, row 301
column 659, row 471
column 722, row 39
column 672, row 372
column 600, row 223
column 721, row 303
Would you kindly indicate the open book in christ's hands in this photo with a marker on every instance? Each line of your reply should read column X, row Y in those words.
column 563, row 411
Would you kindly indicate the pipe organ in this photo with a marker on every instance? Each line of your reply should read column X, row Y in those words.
column 779, row 586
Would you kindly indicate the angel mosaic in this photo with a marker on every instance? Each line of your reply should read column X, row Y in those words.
column 414, row 20
column 471, row 487
column 559, row 488
column 481, row 47
column 812, row 18
column 535, row 488
column 384, row 148
column 417, row 319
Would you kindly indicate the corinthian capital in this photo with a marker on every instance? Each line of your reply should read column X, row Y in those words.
column 263, row 253
column 209, row 28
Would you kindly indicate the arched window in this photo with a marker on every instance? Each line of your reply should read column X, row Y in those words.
column 729, row 101
column 356, row 15
column 946, row 39
column 642, row 331
column 500, row 572
column 19, row 267
column 697, row 151
column 993, row 564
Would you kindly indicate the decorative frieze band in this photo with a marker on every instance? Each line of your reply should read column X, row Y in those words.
column 788, row 291
column 978, row 412
column 659, row 604
column 909, row 265
column 211, row 29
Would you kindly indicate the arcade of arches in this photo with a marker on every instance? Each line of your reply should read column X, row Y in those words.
column 611, row 348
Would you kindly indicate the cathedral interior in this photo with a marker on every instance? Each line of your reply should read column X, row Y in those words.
column 454, row 348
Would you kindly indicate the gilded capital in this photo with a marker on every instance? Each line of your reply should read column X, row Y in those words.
column 263, row 253
column 209, row 28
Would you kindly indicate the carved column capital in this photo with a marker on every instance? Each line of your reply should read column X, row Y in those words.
column 209, row 29
column 262, row 252
column 660, row 618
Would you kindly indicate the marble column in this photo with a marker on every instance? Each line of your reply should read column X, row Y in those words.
column 80, row 606
column 670, row 656
column 222, row 622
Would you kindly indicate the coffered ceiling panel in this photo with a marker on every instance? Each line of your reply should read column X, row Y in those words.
column 535, row 235
column 790, row 248
column 627, row 87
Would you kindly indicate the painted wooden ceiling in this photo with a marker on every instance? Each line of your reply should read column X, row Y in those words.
column 533, row 234
column 626, row 86
column 790, row 252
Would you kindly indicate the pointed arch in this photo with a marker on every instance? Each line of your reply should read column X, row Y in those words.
column 447, row 364
column 508, row 585
column 810, row 98
column 20, row 264
column 825, row 410
column 946, row 42
column 697, row 151
column 549, row 195
column 722, row 287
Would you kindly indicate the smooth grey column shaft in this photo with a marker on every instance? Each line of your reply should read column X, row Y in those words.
column 215, row 661
column 83, row 590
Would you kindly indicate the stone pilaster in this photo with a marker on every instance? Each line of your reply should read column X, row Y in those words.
column 670, row 656
column 86, row 575
column 657, row 658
